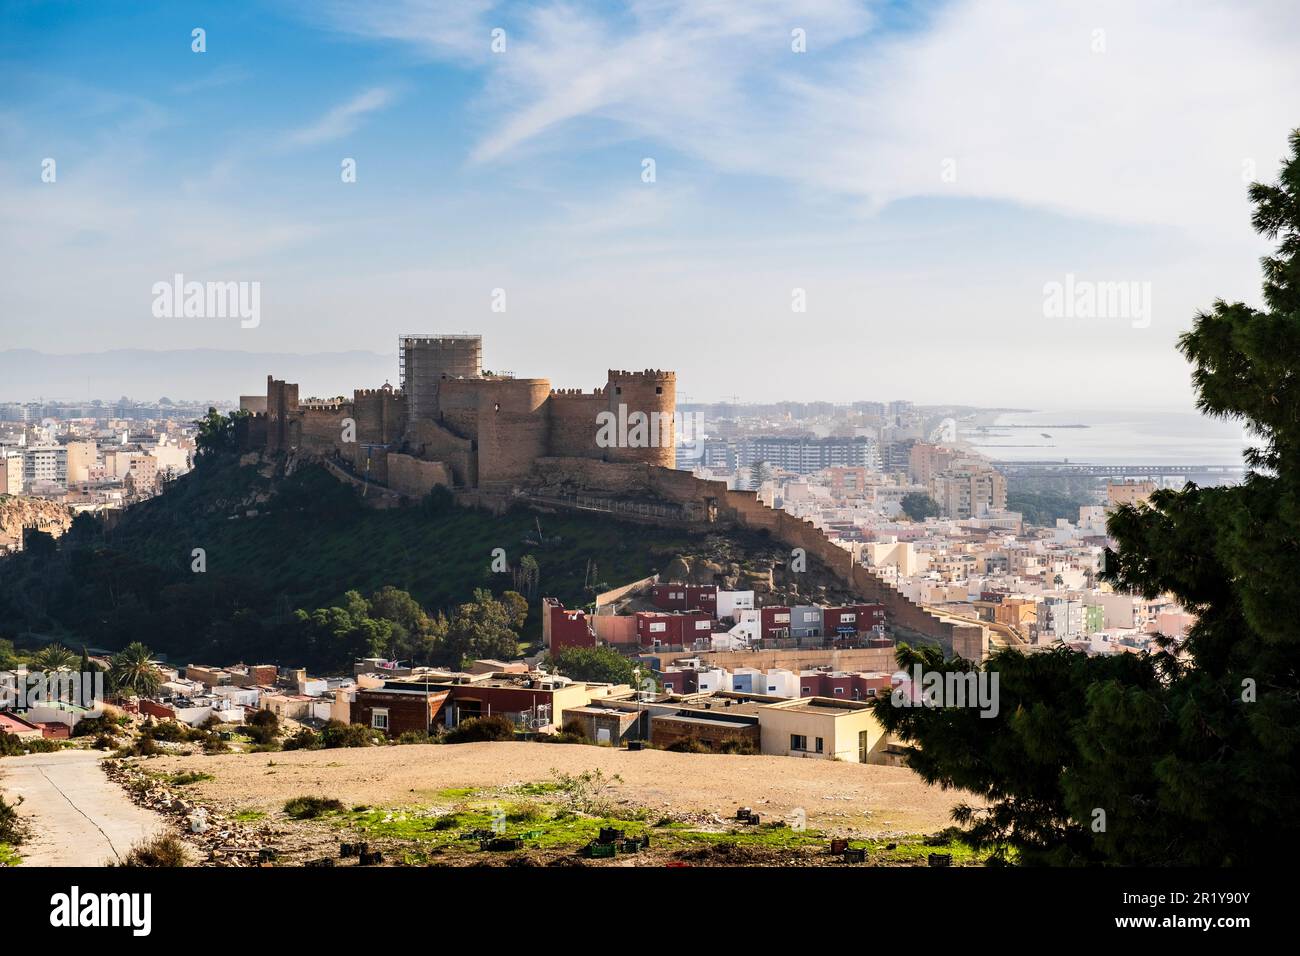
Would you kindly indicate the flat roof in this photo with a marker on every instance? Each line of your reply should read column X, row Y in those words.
column 827, row 706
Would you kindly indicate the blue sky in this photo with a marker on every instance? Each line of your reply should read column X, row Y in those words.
column 1110, row 141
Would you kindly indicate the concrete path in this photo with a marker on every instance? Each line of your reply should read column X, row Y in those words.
column 76, row 816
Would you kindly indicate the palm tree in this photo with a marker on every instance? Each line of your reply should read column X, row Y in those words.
column 133, row 671
column 53, row 657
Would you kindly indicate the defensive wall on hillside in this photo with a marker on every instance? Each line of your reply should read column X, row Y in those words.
column 496, row 440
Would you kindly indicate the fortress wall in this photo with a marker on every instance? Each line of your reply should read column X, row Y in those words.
column 573, row 422
column 250, row 432
column 380, row 414
column 369, row 461
column 744, row 509
column 458, row 405
column 512, row 428
column 589, row 474
column 415, row 478
column 320, row 429
column 436, row 443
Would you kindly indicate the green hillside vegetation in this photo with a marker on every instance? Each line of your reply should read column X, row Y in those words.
column 309, row 543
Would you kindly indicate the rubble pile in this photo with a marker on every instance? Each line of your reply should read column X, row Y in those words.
column 220, row 841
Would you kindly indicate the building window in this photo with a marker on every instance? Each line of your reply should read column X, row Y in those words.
column 839, row 690
column 805, row 691
column 820, row 748
column 659, row 389
column 798, row 742
column 379, row 718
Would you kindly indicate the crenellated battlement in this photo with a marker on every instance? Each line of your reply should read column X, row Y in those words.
column 649, row 375
column 489, row 427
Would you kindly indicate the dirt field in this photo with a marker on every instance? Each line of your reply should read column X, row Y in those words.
column 868, row 801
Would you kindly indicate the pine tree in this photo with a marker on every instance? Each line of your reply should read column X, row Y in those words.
column 1189, row 755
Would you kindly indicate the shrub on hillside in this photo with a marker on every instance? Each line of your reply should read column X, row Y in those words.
column 335, row 734
column 162, row 850
column 687, row 745
column 736, row 745
column 478, row 729
column 304, row 739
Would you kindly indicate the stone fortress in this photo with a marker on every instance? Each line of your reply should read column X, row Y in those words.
column 497, row 440
column 454, row 424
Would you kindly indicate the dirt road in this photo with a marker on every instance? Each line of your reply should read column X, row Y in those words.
column 76, row 816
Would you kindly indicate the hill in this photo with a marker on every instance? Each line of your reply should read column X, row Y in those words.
column 285, row 535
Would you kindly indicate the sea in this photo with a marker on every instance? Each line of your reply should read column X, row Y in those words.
column 1106, row 437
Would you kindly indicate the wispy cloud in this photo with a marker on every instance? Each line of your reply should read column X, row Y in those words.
column 456, row 30
column 1102, row 111
column 342, row 119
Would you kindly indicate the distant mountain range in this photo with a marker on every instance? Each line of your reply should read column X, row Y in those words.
column 215, row 375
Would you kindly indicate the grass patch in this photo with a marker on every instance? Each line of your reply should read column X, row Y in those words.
column 771, row 836
column 456, row 793
column 185, row 779
column 539, row 788
column 309, row 808
column 247, row 816
column 9, row 856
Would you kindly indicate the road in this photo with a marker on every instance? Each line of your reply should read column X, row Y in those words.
column 76, row 815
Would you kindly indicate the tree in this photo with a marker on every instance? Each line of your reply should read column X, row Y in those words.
column 216, row 435
column 332, row 638
column 918, row 506
column 132, row 671
column 600, row 664
column 1189, row 755
column 517, row 605
column 527, row 575
column 53, row 657
column 414, row 635
column 481, row 629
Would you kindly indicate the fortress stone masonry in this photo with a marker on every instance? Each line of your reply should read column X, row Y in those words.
column 496, row 440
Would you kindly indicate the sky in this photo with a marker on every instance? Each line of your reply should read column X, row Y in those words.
column 916, row 176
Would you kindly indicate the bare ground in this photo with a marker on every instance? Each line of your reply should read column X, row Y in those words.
column 869, row 801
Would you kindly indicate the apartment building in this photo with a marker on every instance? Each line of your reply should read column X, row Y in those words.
column 968, row 489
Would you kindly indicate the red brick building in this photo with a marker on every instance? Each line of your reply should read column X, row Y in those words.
column 685, row 597
column 567, row 628
column 843, row 685
column 397, row 708
column 672, row 629
column 774, row 622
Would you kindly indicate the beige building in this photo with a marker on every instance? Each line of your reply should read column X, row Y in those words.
column 11, row 475
column 1128, row 492
column 925, row 461
column 82, row 456
column 968, row 489
column 823, row 727
column 901, row 555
